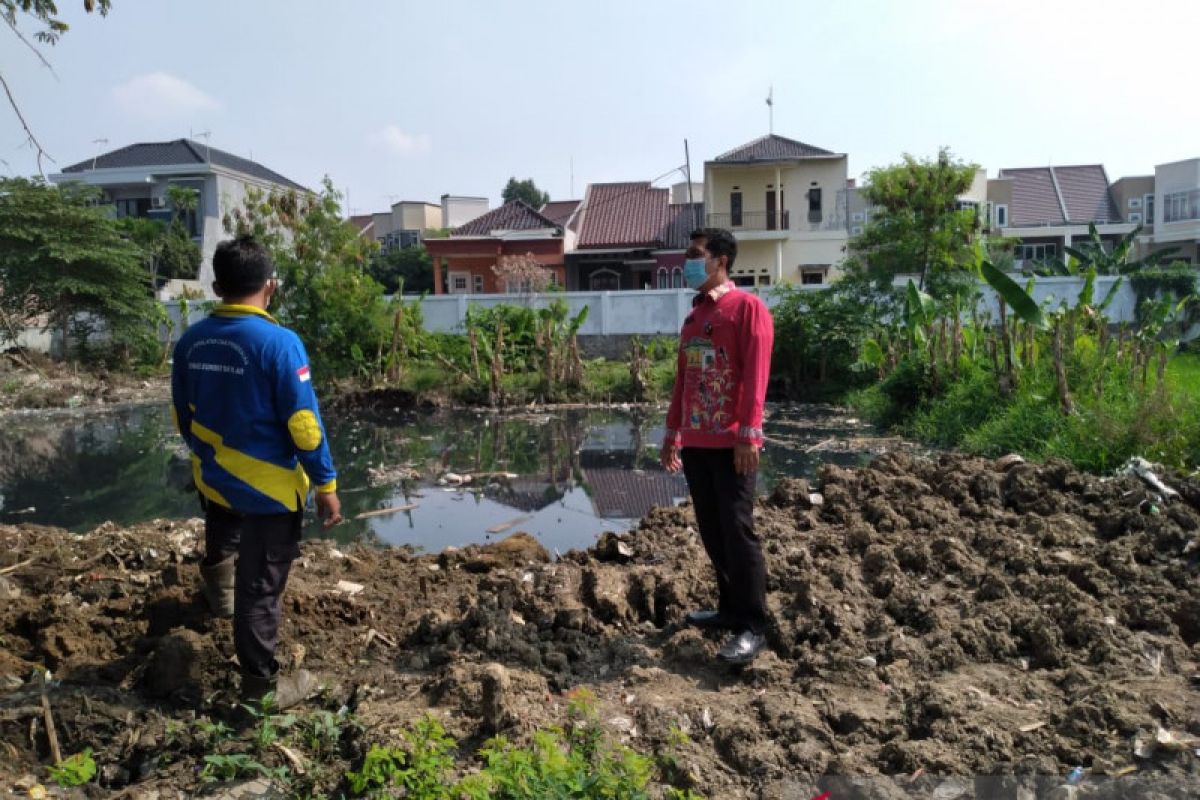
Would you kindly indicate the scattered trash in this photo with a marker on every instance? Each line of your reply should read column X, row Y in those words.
column 379, row 512
column 868, row 661
column 1033, row 726
column 1075, row 776
column 1123, row 771
column 1005, row 463
column 706, row 719
column 816, row 499
column 952, row 789
column 348, row 588
column 1141, row 468
column 1110, row 621
column 512, row 523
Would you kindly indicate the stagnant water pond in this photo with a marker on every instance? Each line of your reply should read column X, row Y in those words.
column 564, row 476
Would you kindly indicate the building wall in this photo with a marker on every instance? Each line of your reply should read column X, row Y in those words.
column 479, row 257
column 1135, row 189
column 829, row 175
column 1180, row 176
column 458, row 211
column 408, row 216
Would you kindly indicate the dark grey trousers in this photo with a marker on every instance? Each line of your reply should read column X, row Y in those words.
column 266, row 545
column 724, row 504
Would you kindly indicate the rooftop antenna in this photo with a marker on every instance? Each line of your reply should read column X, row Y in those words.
column 771, row 110
column 207, row 144
column 96, row 155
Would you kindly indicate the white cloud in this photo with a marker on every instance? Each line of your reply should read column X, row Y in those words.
column 395, row 140
column 160, row 95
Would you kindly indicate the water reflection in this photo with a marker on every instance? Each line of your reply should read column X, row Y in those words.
column 564, row 477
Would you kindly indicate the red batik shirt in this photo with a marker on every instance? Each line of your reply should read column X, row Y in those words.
column 721, row 377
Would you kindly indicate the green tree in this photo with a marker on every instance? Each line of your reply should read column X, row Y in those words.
column 45, row 12
column 916, row 225
column 525, row 190
column 63, row 258
column 326, row 294
column 409, row 269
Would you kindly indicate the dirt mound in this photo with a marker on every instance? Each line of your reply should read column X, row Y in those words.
column 934, row 620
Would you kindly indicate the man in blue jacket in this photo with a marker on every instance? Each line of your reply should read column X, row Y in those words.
column 243, row 399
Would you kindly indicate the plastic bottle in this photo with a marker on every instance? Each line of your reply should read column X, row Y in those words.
column 1075, row 776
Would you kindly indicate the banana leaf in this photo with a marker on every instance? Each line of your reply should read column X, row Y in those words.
column 1011, row 293
column 1112, row 294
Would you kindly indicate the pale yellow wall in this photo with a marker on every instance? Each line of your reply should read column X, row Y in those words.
column 416, row 216
column 829, row 174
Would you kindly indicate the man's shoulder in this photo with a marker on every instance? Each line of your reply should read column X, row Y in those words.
column 748, row 299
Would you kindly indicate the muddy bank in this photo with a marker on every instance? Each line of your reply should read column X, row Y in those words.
column 31, row 382
column 935, row 620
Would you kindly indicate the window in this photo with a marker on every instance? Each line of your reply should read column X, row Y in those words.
column 1149, row 208
column 664, row 279
column 1001, row 215
column 1035, row 252
column 812, row 277
column 814, row 204
column 764, row 280
column 677, row 278
column 1135, row 217
column 408, row 239
column 477, row 283
column 459, row 283
column 1181, row 206
column 857, row 216
column 735, row 209
column 138, row 207
column 743, row 280
column 856, row 230
column 1135, row 202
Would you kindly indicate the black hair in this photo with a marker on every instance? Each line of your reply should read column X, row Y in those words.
column 242, row 266
column 718, row 242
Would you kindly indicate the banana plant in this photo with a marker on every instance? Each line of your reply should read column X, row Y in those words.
column 1091, row 253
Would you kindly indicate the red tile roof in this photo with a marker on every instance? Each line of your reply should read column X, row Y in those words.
column 559, row 211
column 771, row 148
column 1060, row 196
column 620, row 215
column 515, row 215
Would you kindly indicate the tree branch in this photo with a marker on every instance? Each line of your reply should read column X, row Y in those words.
column 31, row 46
column 41, row 152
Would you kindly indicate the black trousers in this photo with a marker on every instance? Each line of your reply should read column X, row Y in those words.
column 265, row 545
column 724, row 505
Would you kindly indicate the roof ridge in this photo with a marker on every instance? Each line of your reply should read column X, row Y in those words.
column 1062, row 203
column 190, row 145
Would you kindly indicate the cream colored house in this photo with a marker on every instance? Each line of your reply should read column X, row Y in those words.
column 1167, row 205
column 787, row 203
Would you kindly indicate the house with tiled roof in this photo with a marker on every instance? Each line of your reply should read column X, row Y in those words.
column 1167, row 206
column 786, row 202
column 1049, row 208
column 135, row 179
column 631, row 235
column 465, row 262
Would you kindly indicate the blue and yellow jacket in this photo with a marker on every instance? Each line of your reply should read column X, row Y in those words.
column 242, row 398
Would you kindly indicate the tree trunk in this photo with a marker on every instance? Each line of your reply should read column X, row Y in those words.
column 1060, row 371
column 1006, row 336
column 1162, row 369
column 956, row 352
column 496, row 395
column 394, row 369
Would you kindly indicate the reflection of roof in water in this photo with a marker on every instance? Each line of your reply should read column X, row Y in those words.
column 625, row 494
column 527, row 494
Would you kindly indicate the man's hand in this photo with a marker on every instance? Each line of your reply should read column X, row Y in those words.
column 669, row 456
column 329, row 510
column 745, row 458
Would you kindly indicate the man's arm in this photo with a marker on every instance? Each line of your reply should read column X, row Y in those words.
column 756, row 338
column 181, row 412
column 669, row 454
column 296, row 406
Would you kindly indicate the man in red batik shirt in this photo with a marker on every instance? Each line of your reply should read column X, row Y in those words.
column 714, row 432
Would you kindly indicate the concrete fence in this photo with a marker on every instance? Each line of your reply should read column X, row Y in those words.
column 615, row 317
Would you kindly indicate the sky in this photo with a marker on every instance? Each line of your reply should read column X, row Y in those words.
column 409, row 101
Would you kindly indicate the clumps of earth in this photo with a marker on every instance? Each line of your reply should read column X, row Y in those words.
column 945, row 628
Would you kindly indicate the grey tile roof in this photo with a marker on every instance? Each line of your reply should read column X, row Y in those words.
column 1074, row 195
column 771, row 148
column 515, row 215
column 684, row 218
column 178, row 152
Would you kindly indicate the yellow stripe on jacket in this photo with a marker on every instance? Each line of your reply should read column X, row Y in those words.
column 284, row 486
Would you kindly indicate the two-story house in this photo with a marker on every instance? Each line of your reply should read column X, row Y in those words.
column 134, row 180
column 1167, row 205
column 1049, row 208
column 787, row 204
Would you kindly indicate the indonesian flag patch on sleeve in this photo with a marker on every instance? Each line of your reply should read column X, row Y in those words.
column 304, row 374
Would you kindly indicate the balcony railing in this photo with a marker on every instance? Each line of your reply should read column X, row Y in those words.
column 781, row 221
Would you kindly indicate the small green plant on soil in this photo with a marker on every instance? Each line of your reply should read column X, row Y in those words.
column 576, row 760
column 212, row 733
column 269, row 726
column 237, row 765
column 74, row 771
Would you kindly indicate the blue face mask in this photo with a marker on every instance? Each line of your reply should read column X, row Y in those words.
column 694, row 273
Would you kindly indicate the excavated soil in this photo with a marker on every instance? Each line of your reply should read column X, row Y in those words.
column 962, row 629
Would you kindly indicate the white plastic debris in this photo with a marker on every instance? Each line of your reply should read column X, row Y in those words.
column 349, row 588
column 1142, row 468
